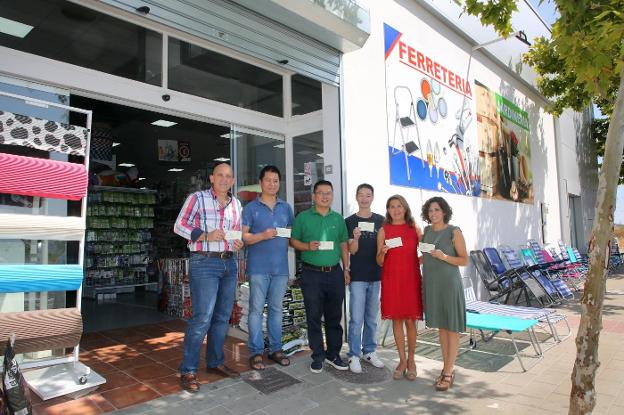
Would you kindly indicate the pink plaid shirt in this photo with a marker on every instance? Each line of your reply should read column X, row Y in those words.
column 202, row 212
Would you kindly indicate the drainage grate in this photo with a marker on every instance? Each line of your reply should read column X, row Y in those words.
column 269, row 380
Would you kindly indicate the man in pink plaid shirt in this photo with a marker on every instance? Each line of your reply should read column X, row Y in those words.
column 211, row 222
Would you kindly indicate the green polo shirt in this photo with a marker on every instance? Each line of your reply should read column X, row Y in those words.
column 310, row 225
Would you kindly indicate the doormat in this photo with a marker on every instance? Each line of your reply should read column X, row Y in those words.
column 268, row 380
column 370, row 374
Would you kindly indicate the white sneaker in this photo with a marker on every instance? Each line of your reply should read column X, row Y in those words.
column 354, row 364
column 373, row 359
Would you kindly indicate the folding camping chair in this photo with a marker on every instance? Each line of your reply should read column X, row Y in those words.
column 545, row 274
column 510, row 325
column 531, row 287
column 405, row 122
column 543, row 315
column 499, row 286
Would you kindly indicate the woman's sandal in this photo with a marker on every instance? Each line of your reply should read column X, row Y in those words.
column 445, row 382
column 279, row 358
column 411, row 374
column 256, row 362
column 398, row 373
column 439, row 378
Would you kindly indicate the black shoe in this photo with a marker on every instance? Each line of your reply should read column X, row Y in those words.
column 337, row 363
column 316, row 367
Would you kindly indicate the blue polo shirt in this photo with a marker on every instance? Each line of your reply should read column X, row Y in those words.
column 270, row 256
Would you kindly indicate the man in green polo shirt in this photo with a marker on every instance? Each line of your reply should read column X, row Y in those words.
column 321, row 236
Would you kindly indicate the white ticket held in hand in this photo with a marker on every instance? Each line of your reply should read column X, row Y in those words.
column 366, row 226
column 394, row 242
column 425, row 247
column 231, row 235
column 326, row 245
column 283, row 232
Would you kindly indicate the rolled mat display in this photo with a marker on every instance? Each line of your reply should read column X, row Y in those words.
column 34, row 278
column 31, row 176
column 41, row 227
column 41, row 330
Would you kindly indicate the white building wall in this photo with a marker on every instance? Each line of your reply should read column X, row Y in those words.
column 484, row 222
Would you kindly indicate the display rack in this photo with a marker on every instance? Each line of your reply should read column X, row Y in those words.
column 118, row 240
column 46, row 177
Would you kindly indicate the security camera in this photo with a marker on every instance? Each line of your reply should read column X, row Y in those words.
column 166, row 97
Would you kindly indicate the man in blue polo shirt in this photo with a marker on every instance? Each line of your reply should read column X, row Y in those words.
column 266, row 231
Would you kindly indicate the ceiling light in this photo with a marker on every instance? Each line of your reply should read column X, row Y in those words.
column 222, row 159
column 230, row 135
column 126, row 165
column 116, row 144
column 13, row 28
column 279, row 146
column 141, row 178
column 321, row 155
column 164, row 123
column 173, row 169
column 143, row 188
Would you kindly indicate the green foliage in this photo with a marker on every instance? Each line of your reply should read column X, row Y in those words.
column 581, row 61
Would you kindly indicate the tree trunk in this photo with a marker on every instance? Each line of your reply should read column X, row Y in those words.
column 583, row 394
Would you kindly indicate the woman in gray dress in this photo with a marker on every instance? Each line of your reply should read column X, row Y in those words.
column 445, row 306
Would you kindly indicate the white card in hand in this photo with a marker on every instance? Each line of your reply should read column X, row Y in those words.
column 394, row 242
column 425, row 247
column 366, row 226
column 283, row 232
column 326, row 245
column 231, row 235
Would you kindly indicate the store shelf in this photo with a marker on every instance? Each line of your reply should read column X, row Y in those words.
column 92, row 292
column 121, row 189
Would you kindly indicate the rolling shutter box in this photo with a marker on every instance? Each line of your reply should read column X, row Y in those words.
column 236, row 27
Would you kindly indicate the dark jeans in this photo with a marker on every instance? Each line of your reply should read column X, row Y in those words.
column 213, row 288
column 323, row 294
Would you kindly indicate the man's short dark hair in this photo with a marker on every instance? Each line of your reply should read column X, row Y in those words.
column 365, row 186
column 322, row 183
column 272, row 169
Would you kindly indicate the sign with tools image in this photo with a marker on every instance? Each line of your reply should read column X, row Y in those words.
column 433, row 138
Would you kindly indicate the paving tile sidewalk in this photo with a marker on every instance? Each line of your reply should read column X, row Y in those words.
column 543, row 389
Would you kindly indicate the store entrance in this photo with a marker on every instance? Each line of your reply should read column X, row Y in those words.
column 143, row 165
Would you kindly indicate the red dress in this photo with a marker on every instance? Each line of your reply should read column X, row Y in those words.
column 401, row 295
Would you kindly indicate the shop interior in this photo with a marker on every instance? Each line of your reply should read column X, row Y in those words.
column 143, row 164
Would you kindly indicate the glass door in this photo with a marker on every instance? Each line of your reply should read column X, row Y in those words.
column 308, row 168
column 253, row 150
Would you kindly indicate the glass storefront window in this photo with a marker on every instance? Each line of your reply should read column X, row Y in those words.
column 202, row 72
column 308, row 163
column 253, row 153
column 307, row 95
column 70, row 33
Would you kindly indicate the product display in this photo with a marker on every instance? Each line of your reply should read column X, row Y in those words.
column 119, row 239
column 173, row 287
column 294, row 335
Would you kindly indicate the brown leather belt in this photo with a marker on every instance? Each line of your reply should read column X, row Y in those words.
column 322, row 268
column 212, row 254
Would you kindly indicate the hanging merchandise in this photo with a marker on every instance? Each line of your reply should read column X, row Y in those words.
column 22, row 130
column 31, row 176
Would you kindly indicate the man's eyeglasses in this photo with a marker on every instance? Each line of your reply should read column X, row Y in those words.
column 324, row 194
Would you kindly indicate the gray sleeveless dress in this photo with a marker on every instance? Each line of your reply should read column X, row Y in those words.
column 445, row 305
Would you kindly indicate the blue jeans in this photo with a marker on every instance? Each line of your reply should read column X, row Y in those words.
column 213, row 288
column 270, row 289
column 363, row 308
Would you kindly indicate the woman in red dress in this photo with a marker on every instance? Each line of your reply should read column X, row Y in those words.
column 401, row 295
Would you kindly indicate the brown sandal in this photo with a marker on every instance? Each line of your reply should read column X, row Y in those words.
column 445, row 382
column 256, row 362
column 411, row 374
column 279, row 358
